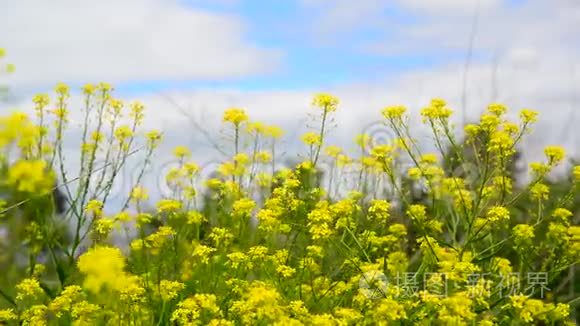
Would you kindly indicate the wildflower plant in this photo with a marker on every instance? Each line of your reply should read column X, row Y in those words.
column 260, row 243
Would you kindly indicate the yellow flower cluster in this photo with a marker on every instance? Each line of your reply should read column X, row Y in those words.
column 325, row 101
column 31, row 176
column 385, row 235
column 103, row 267
column 235, row 116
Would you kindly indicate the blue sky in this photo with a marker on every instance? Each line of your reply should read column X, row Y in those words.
column 308, row 62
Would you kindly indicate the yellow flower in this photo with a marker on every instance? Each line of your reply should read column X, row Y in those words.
column 510, row 128
column 389, row 310
column 325, row 101
column 105, row 87
column 243, row 208
column 264, row 156
column 381, row 152
column 501, row 265
column 139, row 194
column 397, row 262
column 379, row 210
column 501, row 143
column 497, row 109
column 472, row 130
column 41, row 101
column 85, row 313
column 137, row 244
column 191, row 168
column 202, row 253
column 102, row 266
column 137, row 111
column 123, row 133
column 394, row 112
column 123, row 216
column 191, row 310
column 62, row 89
column 158, row 239
column 438, row 102
column 195, row 217
column 227, row 169
column 221, row 237
column 97, row 137
column 539, row 168
column 181, row 152
column 437, row 110
column 274, row 132
column 540, row 191
column 35, row 315
column 64, row 302
column 241, row 159
column 348, row 316
column 168, row 205
column 88, row 148
column 429, row 158
column 153, row 138
column 333, row 151
column 562, row 214
column 103, row 226
column 94, row 207
column 115, row 106
column 528, row 116
column 133, row 292
column 7, row 314
column 457, row 309
column 417, row 212
column 237, row 259
column 235, row 116
column 343, row 160
column 285, row 271
column 414, row 173
column 523, row 233
column 29, row 288
column 489, row 122
column 497, row 213
column 170, row 289
column 256, row 128
column 89, row 89
column 312, row 139
column 555, row 154
column 31, row 177
column 363, row 140
column 503, row 183
column 60, row 113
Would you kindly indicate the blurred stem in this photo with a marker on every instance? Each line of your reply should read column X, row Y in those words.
column 322, row 129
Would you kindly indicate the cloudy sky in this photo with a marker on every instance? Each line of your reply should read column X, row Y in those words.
column 190, row 60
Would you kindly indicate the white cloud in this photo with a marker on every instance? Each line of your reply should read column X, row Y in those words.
column 449, row 7
column 129, row 40
column 499, row 28
column 443, row 27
